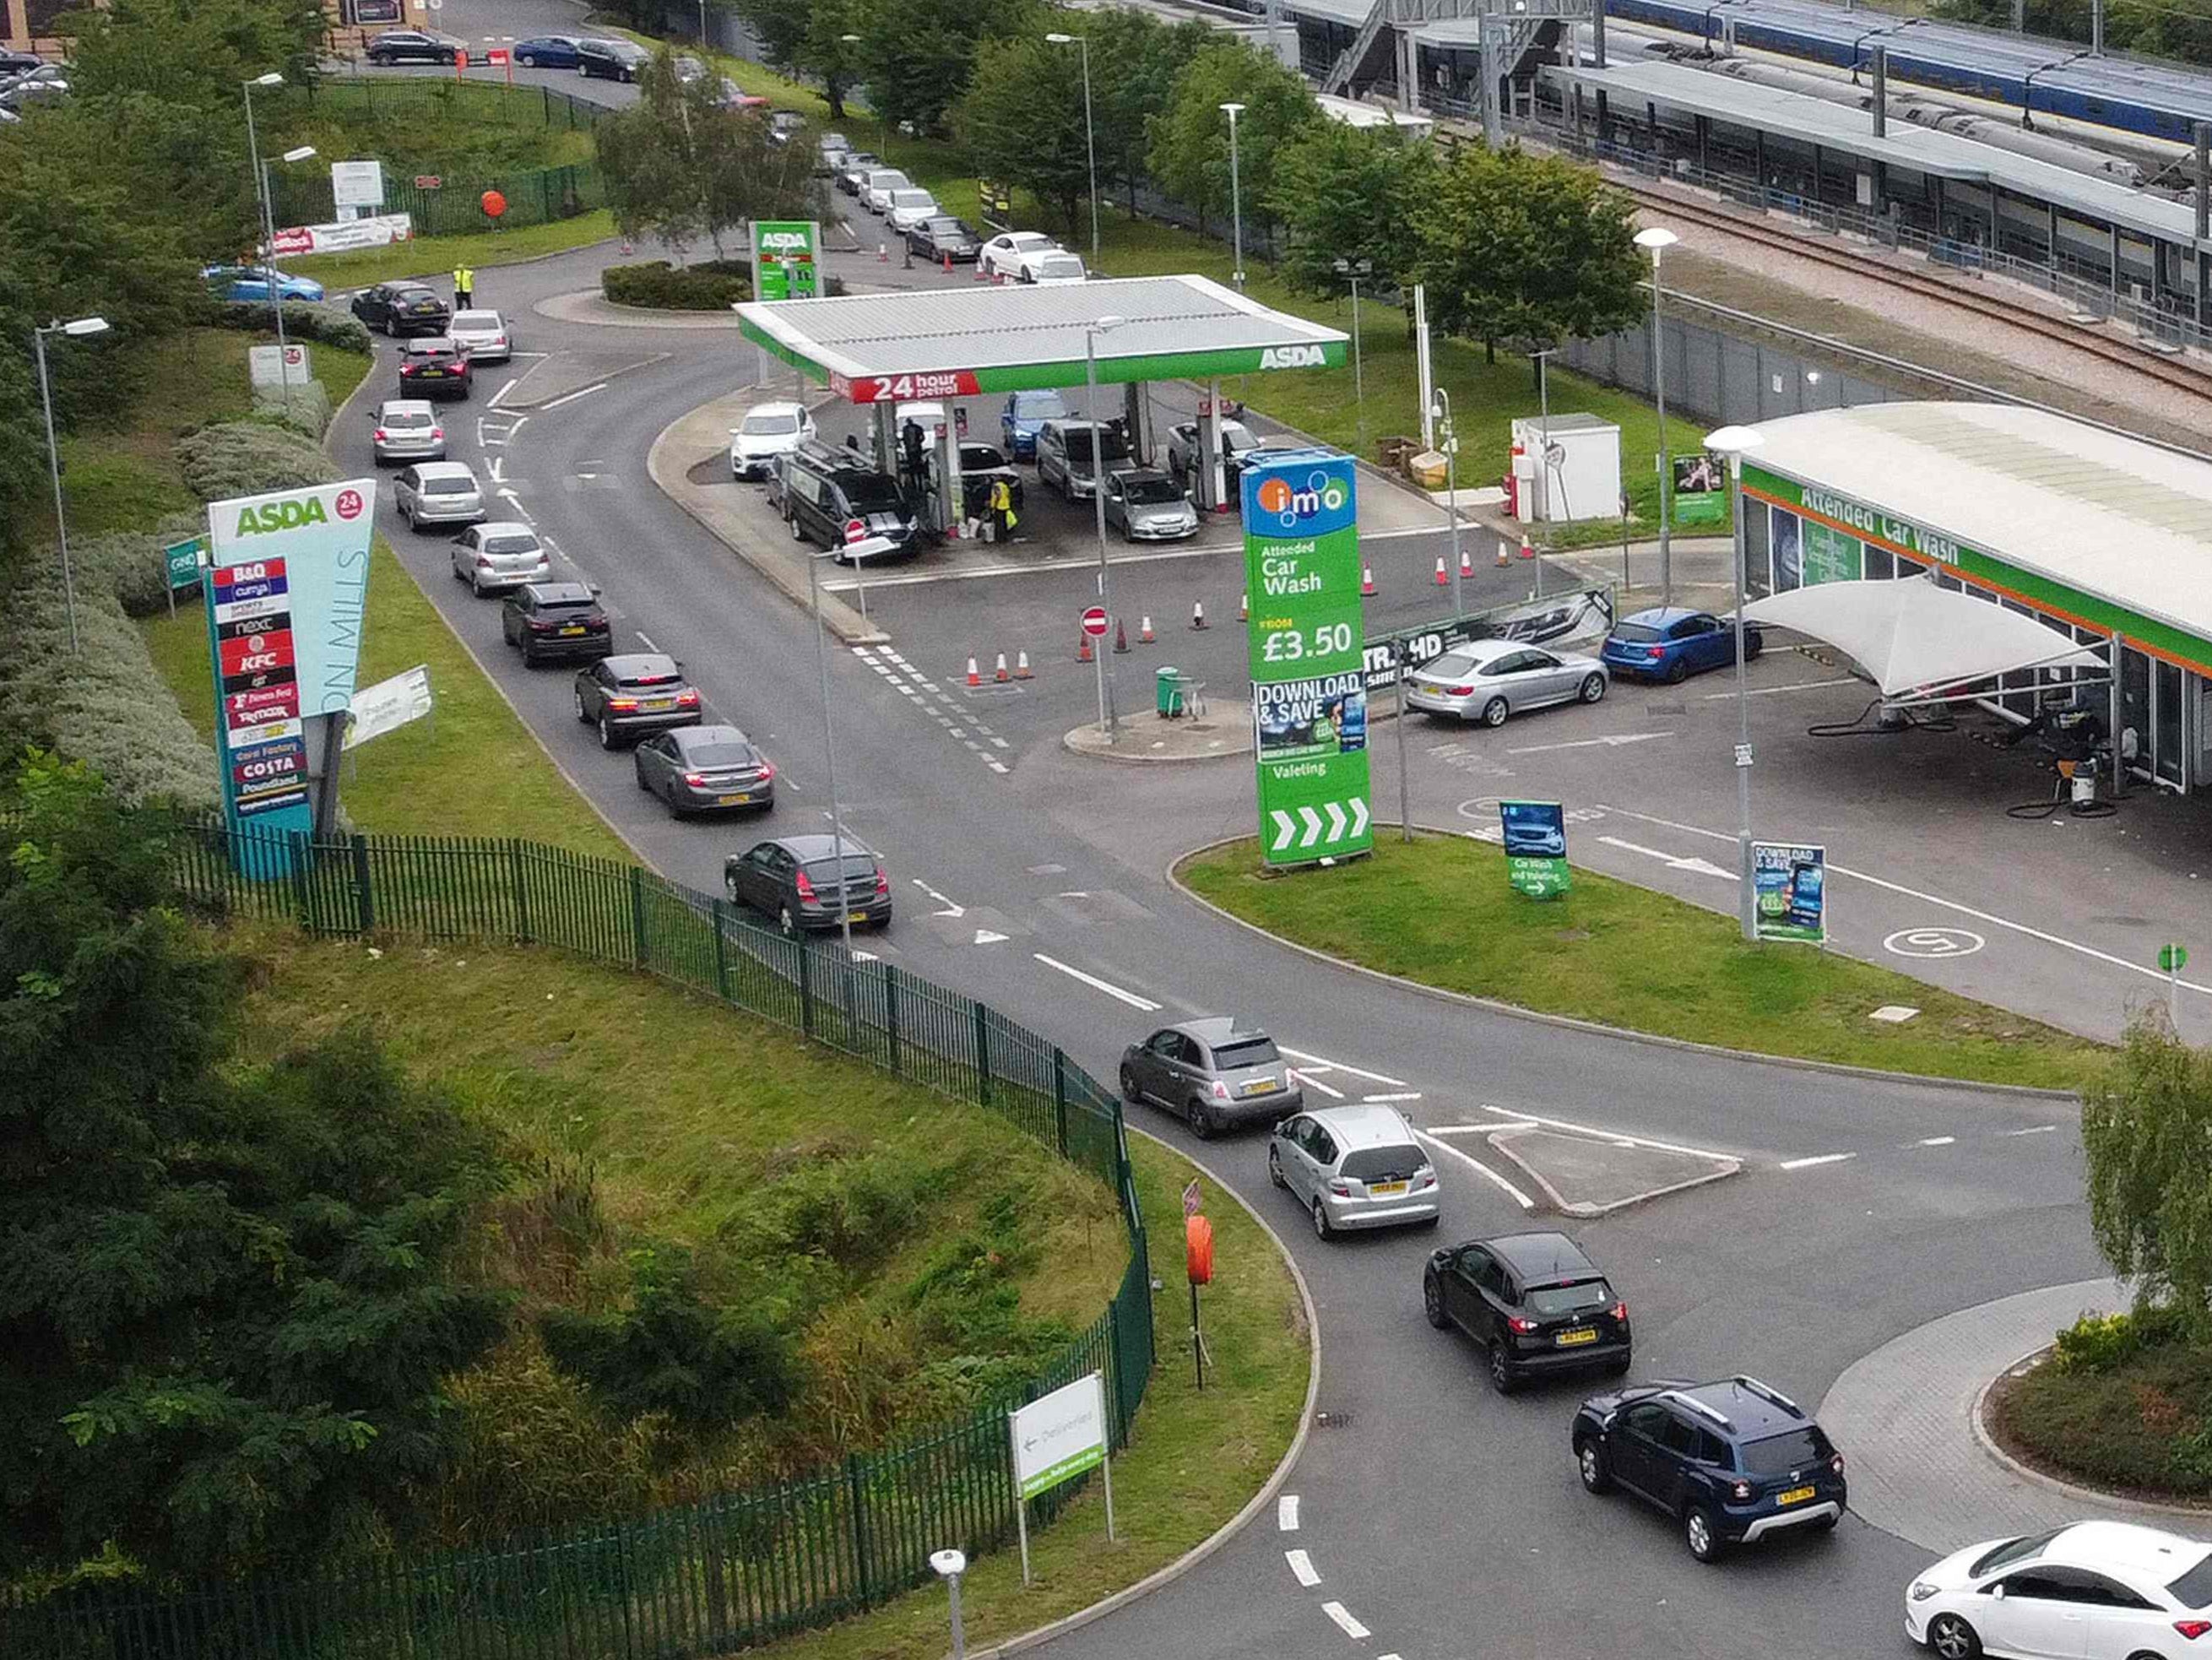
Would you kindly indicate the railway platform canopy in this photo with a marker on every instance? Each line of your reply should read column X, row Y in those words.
column 2106, row 539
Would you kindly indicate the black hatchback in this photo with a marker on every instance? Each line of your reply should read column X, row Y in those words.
column 402, row 308
column 706, row 769
column 1533, row 1300
column 409, row 46
column 801, row 882
column 557, row 621
column 636, row 693
column 611, row 60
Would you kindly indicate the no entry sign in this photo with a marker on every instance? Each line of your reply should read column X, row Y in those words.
column 1094, row 621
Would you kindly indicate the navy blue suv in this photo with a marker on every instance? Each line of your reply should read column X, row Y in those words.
column 1732, row 1462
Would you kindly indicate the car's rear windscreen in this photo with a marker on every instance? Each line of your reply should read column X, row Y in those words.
column 449, row 487
column 1637, row 634
column 860, row 873
column 1778, row 1455
column 721, row 754
column 520, row 543
column 1584, row 1296
column 1246, row 1052
column 1382, row 1164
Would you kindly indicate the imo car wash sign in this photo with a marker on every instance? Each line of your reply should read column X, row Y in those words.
column 1789, row 892
column 1306, row 642
column 784, row 266
column 285, row 590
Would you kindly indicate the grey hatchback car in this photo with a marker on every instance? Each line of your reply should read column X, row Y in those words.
column 799, row 881
column 1354, row 1167
column 1214, row 1073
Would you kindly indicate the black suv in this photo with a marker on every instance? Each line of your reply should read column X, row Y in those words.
column 611, row 60
column 629, row 696
column 402, row 308
column 1533, row 1300
column 409, row 46
column 827, row 491
column 550, row 621
column 1732, row 1462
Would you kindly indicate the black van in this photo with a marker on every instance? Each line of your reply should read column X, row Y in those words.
column 826, row 491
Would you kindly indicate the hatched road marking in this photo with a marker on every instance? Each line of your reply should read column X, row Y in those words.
column 1519, row 1197
column 1342, row 1615
column 1302, row 1566
column 1286, row 1513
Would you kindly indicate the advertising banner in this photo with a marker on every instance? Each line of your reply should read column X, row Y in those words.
column 1789, row 892
column 1535, row 847
column 388, row 705
column 1306, row 645
column 1581, row 615
column 784, row 263
column 285, row 593
column 1700, row 492
column 1058, row 1436
column 377, row 230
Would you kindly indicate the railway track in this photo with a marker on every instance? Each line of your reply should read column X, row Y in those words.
column 2181, row 376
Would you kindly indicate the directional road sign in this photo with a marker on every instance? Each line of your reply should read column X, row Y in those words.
column 1315, row 832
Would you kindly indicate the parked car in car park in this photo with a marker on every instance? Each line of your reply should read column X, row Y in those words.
column 852, row 172
column 1187, row 451
column 482, row 335
column 705, row 768
column 498, row 555
column 1488, row 680
column 767, row 430
column 407, row 429
column 1055, row 265
column 250, row 283
column 1025, row 417
column 831, row 496
column 402, row 308
column 556, row 622
column 811, row 882
column 1733, row 1462
column 1671, row 645
column 1002, row 254
column 1354, row 1167
column 433, row 493
column 881, row 184
column 409, row 46
column 611, row 60
column 433, row 366
column 1535, row 1303
column 1064, row 455
column 1146, row 506
column 909, row 208
column 941, row 236
column 2098, row 1591
column 1214, row 1074
column 551, row 52
column 633, row 694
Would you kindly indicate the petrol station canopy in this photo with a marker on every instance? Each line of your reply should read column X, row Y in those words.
column 941, row 343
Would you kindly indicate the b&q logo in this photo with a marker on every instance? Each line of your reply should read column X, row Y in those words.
column 1292, row 357
column 1280, row 499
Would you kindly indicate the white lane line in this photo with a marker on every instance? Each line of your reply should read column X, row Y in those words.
column 1286, row 1513
column 1799, row 685
column 2037, row 1129
column 1342, row 1615
column 1482, row 1129
column 1519, row 1197
column 999, row 767
column 1612, row 743
column 1619, row 1137
column 1305, row 1077
column 1411, row 1095
column 1144, row 1004
column 506, row 387
column 1935, row 1141
column 647, row 640
column 1302, row 1566
column 515, row 501
column 581, row 391
column 950, row 909
column 1818, row 1159
column 1338, row 1065
column 1696, row 867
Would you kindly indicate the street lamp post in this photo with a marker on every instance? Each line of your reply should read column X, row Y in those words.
column 1733, row 442
column 856, row 552
column 1351, row 270
column 1656, row 241
column 1090, row 133
column 1448, row 441
column 268, row 225
column 1236, row 197
column 1107, row 724
column 76, row 329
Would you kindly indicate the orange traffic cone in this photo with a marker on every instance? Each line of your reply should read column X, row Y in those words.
column 627, row 249
column 1245, row 609
column 1367, row 589
column 1467, row 561
column 1442, row 579
column 1527, row 552
column 1022, row 670
column 948, row 265
column 1120, row 637
column 1145, row 635
column 1083, row 649
column 973, row 678
column 1000, row 675
column 1197, row 614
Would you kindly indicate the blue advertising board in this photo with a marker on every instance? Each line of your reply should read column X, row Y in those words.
column 1535, row 837
column 285, row 592
column 1789, row 892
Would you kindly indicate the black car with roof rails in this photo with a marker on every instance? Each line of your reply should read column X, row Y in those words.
column 556, row 622
column 1534, row 1301
column 403, row 308
column 611, row 59
column 1733, row 1462
column 801, row 882
column 831, row 494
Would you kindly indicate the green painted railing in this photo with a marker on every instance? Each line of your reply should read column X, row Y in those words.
column 736, row 1569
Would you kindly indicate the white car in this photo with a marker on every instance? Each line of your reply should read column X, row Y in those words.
column 2096, row 1590
column 909, row 208
column 1002, row 254
column 482, row 335
column 501, row 555
column 432, row 493
column 1052, row 266
column 767, row 430
column 881, row 184
column 929, row 414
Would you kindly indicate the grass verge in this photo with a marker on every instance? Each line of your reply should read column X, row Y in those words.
column 2139, row 1428
column 1440, row 912
column 437, row 256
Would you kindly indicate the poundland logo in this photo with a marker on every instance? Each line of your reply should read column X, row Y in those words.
column 1292, row 357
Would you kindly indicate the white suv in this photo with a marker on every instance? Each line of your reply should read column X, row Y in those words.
column 769, row 431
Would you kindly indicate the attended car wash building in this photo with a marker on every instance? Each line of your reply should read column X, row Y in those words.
column 2104, row 537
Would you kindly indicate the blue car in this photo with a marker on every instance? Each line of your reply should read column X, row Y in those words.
column 249, row 282
column 1672, row 645
column 552, row 52
column 1025, row 417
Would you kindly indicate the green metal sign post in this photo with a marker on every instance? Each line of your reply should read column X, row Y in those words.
column 1307, row 641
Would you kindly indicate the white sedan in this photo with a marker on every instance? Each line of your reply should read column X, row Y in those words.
column 1052, row 265
column 2096, row 1590
column 1003, row 254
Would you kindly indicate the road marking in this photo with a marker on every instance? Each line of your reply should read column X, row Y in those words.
column 950, row 909
column 1817, row 1158
column 1618, row 1137
column 1519, row 1197
column 1934, row 942
column 1301, row 1565
column 1286, row 1512
column 1411, row 1095
column 1800, row 685
column 1144, row 1003
column 1696, row 867
column 985, row 937
column 1482, row 1129
column 1612, row 743
column 1338, row 1065
column 647, row 640
column 2037, row 1129
column 999, row 767
column 571, row 397
column 1342, row 1615
column 506, row 387
column 1935, row 1141
column 1307, row 1078
column 515, row 501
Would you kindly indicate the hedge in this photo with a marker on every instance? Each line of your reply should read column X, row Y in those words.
column 711, row 285
column 246, row 458
column 302, row 322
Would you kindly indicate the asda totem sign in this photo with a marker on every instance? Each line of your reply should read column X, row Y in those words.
column 1307, row 640
column 784, row 263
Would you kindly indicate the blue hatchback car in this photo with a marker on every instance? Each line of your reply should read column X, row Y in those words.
column 249, row 282
column 1672, row 645
column 550, row 52
column 1025, row 417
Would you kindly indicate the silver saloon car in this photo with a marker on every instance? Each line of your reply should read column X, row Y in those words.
column 1488, row 680
column 407, row 429
column 1146, row 506
column 1353, row 1167
column 483, row 335
column 1212, row 1073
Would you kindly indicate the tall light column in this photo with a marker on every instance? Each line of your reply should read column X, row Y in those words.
column 1089, row 134
column 268, row 225
column 1656, row 241
column 76, row 329
column 1236, row 196
column 1733, row 442
column 1448, row 441
column 1090, row 334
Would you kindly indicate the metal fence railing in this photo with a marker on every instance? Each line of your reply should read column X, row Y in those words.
column 734, row 1570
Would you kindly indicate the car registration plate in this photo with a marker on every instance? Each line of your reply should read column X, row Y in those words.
column 1795, row 1496
column 431, row 375
column 1261, row 1086
column 732, row 801
column 574, row 628
column 660, row 703
column 1381, row 1188
column 1567, row 1339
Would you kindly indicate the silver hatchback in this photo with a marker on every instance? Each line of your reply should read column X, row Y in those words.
column 1213, row 1074
column 1146, row 506
column 407, row 429
column 1487, row 680
column 1354, row 1167
column 438, row 493
column 495, row 556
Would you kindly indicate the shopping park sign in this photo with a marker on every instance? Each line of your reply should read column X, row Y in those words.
column 1032, row 377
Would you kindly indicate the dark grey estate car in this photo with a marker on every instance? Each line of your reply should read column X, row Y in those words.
column 636, row 693
column 706, row 770
column 799, row 881
column 1215, row 1073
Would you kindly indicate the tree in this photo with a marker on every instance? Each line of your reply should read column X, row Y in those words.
column 231, row 1293
column 1022, row 122
column 1135, row 60
column 918, row 57
column 1516, row 246
column 2144, row 1130
column 1353, row 194
column 1188, row 153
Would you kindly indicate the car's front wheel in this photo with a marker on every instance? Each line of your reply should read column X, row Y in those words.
column 1593, row 688
column 1129, row 1087
column 1494, row 712
column 1697, row 1533
column 1950, row 1637
column 1432, row 1301
column 1589, row 1464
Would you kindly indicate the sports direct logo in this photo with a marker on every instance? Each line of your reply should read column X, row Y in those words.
column 1287, row 504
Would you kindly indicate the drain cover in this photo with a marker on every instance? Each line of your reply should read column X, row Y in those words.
column 1332, row 1420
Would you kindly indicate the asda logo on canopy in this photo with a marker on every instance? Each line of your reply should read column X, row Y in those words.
column 266, row 517
column 1292, row 357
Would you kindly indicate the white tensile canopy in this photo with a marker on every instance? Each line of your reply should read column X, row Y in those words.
column 1915, row 640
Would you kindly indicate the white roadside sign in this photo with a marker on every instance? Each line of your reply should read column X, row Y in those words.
column 357, row 184
column 389, row 705
column 1055, row 1439
column 274, row 366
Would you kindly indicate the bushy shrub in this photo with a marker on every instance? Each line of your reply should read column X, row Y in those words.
column 711, row 285
column 307, row 410
column 129, row 563
column 302, row 322
column 247, row 457
column 2103, row 1343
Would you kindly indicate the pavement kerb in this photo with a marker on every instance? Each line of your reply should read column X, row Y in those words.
column 1582, row 1208
column 1259, row 1501
column 1976, row 1421
column 1596, row 1028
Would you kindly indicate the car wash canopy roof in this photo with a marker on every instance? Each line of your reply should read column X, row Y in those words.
column 879, row 348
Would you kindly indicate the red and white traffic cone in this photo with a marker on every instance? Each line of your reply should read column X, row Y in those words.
column 1367, row 588
column 1245, row 609
column 1022, row 670
column 1503, row 557
column 948, row 265
column 973, row 678
column 1527, row 552
column 998, row 675
column 982, row 275
column 1197, row 615
column 1083, row 649
column 883, row 253
column 1467, row 561
column 1443, row 579
column 1145, row 635
column 1120, row 637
